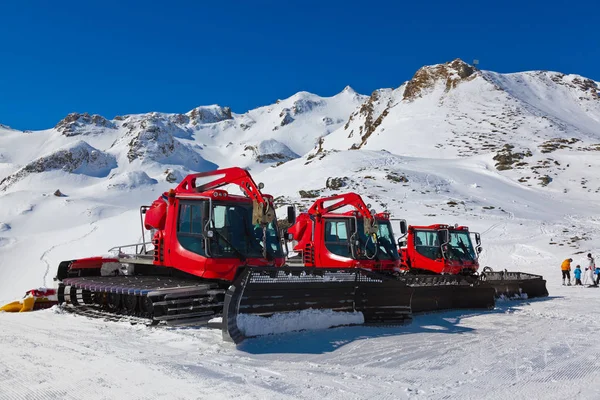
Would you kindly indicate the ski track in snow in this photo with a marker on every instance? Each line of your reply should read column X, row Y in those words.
column 491, row 228
column 45, row 253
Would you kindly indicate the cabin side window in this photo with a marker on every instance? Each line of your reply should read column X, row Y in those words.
column 336, row 237
column 190, row 226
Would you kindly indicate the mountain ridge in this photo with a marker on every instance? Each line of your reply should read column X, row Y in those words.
column 509, row 155
column 454, row 109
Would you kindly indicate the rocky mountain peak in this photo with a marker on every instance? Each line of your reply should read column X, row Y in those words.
column 209, row 114
column 75, row 124
column 451, row 73
column 304, row 105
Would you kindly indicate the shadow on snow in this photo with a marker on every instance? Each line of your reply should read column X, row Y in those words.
column 328, row 340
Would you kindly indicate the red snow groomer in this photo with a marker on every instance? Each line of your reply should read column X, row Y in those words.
column 356, row 238
column 441, row 249
column 327, row 237
column 449, row 249
column 212, row 254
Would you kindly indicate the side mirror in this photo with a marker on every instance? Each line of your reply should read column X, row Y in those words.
column 479, row 249
column 403, row 227
column 444, row 236
column 261, row 186
column 478, row 239
column 210, row 234
column 402, row 243
column 206, row 210
column 291, row 215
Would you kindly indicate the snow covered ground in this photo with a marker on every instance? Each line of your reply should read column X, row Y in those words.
column 532, row 349
column 436, row 156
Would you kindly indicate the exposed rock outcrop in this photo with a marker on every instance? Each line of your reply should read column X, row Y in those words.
column 371, row 115
column 451, row 73
column 209, row 114
column 304, row 105
column 76, row 124
column 78, row 158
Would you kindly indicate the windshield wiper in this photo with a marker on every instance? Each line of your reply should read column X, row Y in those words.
column 464, row 248
column 388, row 247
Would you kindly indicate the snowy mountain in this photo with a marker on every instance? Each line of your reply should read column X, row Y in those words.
column 452, row 110
column 201, row 139
column 512, row 156
column 533, row 135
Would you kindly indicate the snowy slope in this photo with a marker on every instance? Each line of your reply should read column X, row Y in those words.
column 512, row 156
column 441, row 114
column 296, row 123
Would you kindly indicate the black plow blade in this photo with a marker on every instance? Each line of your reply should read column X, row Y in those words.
column 263, row 292
column 516, row 284
column 449, row 292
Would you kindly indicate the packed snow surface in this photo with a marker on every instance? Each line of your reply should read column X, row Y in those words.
column 512, row 156
column 521, row 349
column 255, row 325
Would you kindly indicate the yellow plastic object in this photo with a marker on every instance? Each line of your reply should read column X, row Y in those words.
column 28, row 303
column 20, row 305
column 15, row 306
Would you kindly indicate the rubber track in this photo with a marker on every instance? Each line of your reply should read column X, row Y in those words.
column 98, row 313
column 174, row 301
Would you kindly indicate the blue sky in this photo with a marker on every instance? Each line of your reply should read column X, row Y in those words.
column 121, row 57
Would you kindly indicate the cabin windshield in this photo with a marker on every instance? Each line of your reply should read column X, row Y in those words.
column 338, row 236
column 460, row 246
column 386, row 245
column 429, row 244
column 234, row 235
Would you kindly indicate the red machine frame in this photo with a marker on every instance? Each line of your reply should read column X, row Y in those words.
column 162, row 218
column 413, row 259
column 309, row 232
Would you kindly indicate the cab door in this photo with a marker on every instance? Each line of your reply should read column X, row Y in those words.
column 427, row 254
column 187, row 246
column 336, row 251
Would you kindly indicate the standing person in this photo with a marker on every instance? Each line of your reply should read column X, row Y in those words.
column 566, row 268
column 577, row 274
column 592, row 267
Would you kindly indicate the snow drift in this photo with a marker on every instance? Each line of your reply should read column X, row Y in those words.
column 255, row 325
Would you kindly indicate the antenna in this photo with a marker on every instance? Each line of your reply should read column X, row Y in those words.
column 476, row 63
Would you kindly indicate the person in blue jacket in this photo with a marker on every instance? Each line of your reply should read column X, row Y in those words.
column 577, row 274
